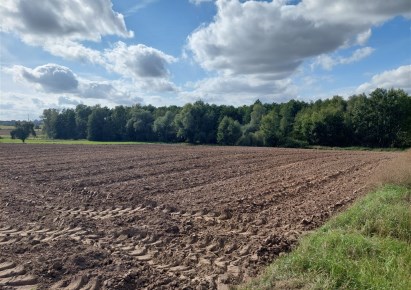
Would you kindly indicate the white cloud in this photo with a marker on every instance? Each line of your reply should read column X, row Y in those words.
column 56, row 79
column 62, row 27
column 362, row 38
column 198, row 2
column 140, row 5
column 327, row 62
column 50, row 78
column 68, row 49
column 138, row 61
column 357, row 15
column 358, row 55
column 399, row 78
column 255, row 47
column 51, row 21
column 66, row 101
column 238, row 90
column 20, row 106
column 271, row 39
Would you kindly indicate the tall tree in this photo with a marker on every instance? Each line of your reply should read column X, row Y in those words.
column 270, row 128
column 197, row 123
column 99, row 127
column 119, row 122
column 164, row 127
column 383, row 119
column 82, row 114
column 229, row 131
column 49, row 118
column 140, row 125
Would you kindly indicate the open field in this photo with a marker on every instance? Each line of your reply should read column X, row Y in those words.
column 163, row 216
column 42, row 140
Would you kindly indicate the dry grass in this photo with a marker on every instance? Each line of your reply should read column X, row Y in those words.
column 397, row 171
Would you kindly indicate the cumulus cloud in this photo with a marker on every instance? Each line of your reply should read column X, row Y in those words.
column 328, row 62
column 357, row 14
column 64, row 101
column 60, row 27
column 49, row 78
column 63, row 27
column 138, row 61
column 107, row 91
column 396, row 78
column 57, row 79
column 238, row 90
column 75, row 51
column 53, row 21
column 39, row 103
column 271, row 39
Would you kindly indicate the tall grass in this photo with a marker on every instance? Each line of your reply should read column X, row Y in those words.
column 396, row 171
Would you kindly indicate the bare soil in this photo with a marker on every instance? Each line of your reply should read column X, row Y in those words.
column 163, row 216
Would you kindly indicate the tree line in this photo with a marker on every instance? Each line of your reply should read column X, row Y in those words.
column 381, row 119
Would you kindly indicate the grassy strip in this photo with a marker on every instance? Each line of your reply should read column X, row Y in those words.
column 365, row 247
column 357, row 148
column 6, row 127
column 7, row 140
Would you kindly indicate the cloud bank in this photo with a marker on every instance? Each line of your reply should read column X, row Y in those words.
column 396, row 78
column 272, row 39
column 61, row 28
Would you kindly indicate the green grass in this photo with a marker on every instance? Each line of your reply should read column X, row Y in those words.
column 366, row 247
column 7, row 139
column 357, row 148
column 6, row 127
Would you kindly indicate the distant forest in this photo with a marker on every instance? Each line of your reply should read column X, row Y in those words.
column 382, row 119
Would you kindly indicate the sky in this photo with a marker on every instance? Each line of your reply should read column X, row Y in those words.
column 61, row 53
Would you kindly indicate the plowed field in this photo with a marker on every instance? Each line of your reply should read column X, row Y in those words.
column 163, row 216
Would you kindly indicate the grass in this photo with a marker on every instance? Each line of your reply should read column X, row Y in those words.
column 357, row 148
column 7, row 139
column 6, row 127
column 397, row 171
column 366, row 247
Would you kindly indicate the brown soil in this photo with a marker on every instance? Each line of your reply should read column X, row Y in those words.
column 163, row 216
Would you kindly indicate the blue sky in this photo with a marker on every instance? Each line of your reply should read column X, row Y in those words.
column 60, row 53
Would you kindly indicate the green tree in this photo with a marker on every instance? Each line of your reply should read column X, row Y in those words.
column 119, row 122
column 229, row 131
column 256, row 116
column 164, row 127
column 49, row 118
column 381, row 120
column 288, row 111
column 323, row 123
column 140, row 125
column 23, row 130
column 270, row 129
column 65, row 125
column 99, row 127
column 82, row 114
column 197, row 123
column 251, row 134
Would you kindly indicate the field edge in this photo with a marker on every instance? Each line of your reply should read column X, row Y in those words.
column 368, row 246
